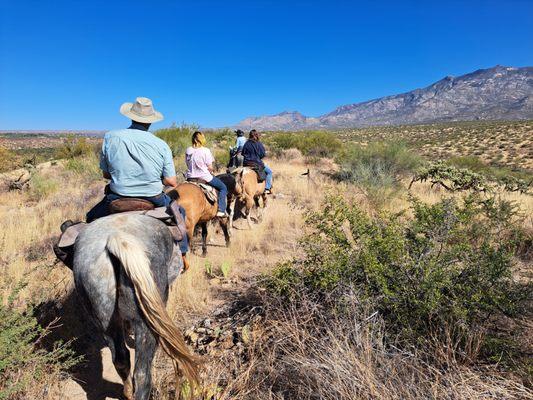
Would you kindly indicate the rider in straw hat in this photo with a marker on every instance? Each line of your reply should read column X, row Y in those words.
column 136, row 161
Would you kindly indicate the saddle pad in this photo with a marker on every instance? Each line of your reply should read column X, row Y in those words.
column 211, row 194
column 171, row 216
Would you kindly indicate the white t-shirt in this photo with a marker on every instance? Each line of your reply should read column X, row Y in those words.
column 197, row 160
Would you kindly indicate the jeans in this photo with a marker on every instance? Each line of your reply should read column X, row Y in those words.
column 268, row 172
column 223, row 193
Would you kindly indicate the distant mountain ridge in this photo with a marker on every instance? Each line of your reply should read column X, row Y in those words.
column 498, row 93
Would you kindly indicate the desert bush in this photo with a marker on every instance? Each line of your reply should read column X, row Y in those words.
column 26, row 370
column 222, row 137
column 377, row 168
column 448, row 266
column 377, row 164
column 310, row 143
column 177, row 137
column 41, row 187
column 221, row 158
column 9, row 160
column 87, row 166
column 453, row 178
column 74, row 147
column 311, row 352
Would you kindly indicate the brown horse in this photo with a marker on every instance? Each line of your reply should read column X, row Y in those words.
column 249, row 190
column 199, row 211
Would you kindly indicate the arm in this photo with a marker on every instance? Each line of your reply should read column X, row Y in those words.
column 103, row 162
column 169, row 170
column 170, row 181
column 209, row 160
column 262, row 151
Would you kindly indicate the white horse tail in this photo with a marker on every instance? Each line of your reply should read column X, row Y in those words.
column 132, row 255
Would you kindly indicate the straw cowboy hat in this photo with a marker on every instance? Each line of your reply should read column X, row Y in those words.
column 141, row 111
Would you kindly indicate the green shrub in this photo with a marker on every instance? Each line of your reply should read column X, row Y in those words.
column 378, row 168
column 453, row 178
column 222, row 137
column 177, row 137
column 221, row 158
column 24, row 366
column 310, row 143
column 41, row 187
column 448, row 266
column 74, row 147
column 9, row 160
column 87, row 166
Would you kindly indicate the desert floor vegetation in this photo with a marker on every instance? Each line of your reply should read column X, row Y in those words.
column 358, row 283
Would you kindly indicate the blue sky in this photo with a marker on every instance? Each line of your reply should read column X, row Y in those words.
column 70, row 64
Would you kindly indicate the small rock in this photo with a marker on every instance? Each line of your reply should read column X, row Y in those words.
column 214, row 281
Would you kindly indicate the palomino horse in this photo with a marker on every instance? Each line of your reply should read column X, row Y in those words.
column 249, row 190
column 120, row 270
column 198, row 210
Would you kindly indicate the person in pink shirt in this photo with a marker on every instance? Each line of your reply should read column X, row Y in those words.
column 199, row 162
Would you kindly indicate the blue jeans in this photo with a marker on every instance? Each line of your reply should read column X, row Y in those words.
column 222, row 193
column 268, row 172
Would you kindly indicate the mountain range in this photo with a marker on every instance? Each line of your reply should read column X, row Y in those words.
column 498, row 93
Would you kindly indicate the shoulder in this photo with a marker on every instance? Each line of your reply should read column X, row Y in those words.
column 114, row 133
column 154, row 138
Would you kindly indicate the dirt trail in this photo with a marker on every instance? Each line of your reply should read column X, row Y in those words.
column 97, row 378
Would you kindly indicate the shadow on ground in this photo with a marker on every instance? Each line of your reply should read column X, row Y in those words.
column 74, row 326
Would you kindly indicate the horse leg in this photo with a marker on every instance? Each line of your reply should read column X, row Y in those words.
column 204, row 239
column 145, row 347
column 190, row 235
column 249, row 206
column 258, row 209
column 231, row 207
column 120, row 355
column 224, row 225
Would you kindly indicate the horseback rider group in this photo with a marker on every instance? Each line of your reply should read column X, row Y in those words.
column 139, row 165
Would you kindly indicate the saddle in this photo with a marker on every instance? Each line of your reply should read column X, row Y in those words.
column 170, row 215
column 258, row 169
column 130, row 204
column 211, row 194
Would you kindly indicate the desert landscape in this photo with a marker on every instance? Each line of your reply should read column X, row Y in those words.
column 314, row 300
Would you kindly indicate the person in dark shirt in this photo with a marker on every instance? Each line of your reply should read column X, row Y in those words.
column 253, row 152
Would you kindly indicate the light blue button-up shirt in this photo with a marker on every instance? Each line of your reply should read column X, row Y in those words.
column 241, row 140
column 137, row 161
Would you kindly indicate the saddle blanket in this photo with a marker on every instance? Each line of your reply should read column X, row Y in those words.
column 211, row 194
column 259, row 172
column 170, row 216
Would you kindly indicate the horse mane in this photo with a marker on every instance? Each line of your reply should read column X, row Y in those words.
column 132, row 255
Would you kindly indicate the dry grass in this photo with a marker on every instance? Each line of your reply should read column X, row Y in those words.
column 302, row 359
column 346, row 361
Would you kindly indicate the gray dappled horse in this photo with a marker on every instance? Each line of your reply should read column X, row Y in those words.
column 121, row 267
